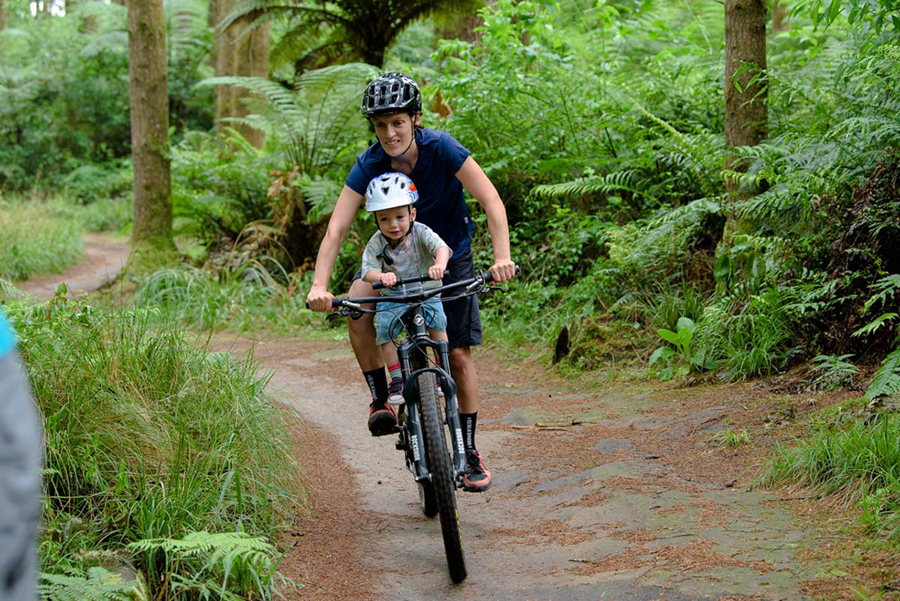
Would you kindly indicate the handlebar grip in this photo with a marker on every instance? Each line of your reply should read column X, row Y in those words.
column 489, row 277
column 335, row 302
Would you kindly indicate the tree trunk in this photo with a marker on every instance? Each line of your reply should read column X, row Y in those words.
column 151, row 239
column 746, row 112
column 461, row 27
column 4, row 18
column 225, row 65
column 780, row 22
column 252, row 60
column 89, row 24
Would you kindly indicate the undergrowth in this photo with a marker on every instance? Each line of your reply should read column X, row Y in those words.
column 149, row 437
column 857, row 462
column 33, row 241
column 248, row 298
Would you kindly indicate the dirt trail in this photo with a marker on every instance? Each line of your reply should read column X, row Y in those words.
column 630, row 503
column 616, row 495
column 104, row 257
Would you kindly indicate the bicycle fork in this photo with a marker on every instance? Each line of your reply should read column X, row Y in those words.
column 451, row 412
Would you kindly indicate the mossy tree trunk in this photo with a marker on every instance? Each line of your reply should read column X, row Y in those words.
column 151, row 240
column 4, row 16
column 746, row 112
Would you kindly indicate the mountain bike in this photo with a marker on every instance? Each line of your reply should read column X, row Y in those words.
column 437, row 461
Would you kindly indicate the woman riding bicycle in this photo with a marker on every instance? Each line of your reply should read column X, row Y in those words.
column 441, row 168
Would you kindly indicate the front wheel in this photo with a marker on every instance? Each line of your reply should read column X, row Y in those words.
column 442, row 475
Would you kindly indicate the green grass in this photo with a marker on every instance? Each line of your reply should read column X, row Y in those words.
column 148, row 437
column 33, row 241
column 249, row 298
column 730, row 439
column 859, row 463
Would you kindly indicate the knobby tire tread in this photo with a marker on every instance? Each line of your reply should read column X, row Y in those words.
column 442, row 475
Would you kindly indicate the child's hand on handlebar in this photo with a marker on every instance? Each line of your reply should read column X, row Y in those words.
column 436, row 272
column 388, row 279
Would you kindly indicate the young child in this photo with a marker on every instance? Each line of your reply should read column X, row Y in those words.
column 401, row 248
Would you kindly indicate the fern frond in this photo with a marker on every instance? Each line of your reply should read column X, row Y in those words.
column 97, row 585
column 886, row 381
column 213, row 547
column 603, row 184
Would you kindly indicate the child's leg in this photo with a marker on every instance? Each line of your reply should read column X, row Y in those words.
column 437, row 334
column 389, row 352
column 395, row 388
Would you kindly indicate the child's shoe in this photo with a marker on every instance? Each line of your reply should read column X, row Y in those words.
column 395, row 392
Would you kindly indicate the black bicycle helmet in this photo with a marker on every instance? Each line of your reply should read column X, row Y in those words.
column 391, row 93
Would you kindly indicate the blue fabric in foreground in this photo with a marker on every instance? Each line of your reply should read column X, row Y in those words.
column 7, row 339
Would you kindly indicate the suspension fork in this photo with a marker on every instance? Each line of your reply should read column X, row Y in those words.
column 415, row 438
column 451, row 409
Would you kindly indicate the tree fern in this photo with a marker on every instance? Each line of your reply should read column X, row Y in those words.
column 348, row 30
column 318, row 120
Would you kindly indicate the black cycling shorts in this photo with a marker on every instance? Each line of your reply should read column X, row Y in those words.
column 463, row 314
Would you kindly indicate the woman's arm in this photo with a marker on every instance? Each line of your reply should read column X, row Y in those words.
column 480, row 187
column 348, row 203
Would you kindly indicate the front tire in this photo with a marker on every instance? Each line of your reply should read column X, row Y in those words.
column 442, row 476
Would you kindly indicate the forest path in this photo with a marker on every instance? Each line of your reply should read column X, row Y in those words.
column 613, row 493
column 104, row 257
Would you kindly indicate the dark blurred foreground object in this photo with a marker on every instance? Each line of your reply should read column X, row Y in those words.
column 20, row 480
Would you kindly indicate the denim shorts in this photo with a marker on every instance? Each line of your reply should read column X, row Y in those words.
column 388, row 325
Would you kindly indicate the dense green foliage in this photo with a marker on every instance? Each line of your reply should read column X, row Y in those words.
column 64, row 111
column 149, row 438
column 602, row 125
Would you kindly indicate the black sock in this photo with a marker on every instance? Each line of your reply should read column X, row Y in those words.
column 378, row 385
column 468, row 427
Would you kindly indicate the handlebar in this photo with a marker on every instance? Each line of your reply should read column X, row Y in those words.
column 479, row 280
column 400, row 281
column 470, row 284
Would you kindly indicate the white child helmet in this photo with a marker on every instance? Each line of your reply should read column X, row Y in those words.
column 389, row 191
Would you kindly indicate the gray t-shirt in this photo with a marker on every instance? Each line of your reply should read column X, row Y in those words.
column 411, row 257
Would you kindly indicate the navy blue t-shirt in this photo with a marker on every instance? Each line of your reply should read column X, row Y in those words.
column 442, row 203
